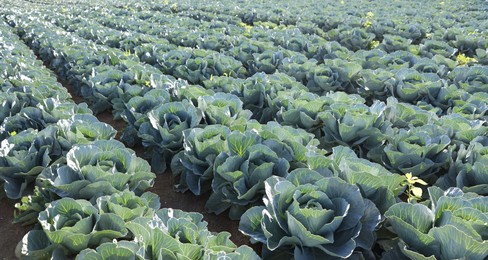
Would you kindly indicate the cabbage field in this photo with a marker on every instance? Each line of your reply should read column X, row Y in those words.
column 247, row 129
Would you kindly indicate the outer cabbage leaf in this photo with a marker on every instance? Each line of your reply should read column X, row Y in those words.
column 36, row 245
column 376, row 183
column 124, row 250
column 454, row 227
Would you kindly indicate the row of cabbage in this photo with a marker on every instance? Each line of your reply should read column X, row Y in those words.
column 220, row 33
column 439, row 32
column 251, row 152
column 432, row 81
column 360, row 22
column 272, row 108
column 32, row 103
column 87, row 189
column 220, row 189
column 463, row 34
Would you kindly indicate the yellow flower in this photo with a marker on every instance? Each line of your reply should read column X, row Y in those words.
column 462, row 59
column 374, row 44
column 413, row 193
column 367, row 24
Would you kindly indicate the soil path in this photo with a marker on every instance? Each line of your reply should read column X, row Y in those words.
column 10, row 234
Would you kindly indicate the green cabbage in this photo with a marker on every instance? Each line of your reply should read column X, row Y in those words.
column 312, row 217
column 453, row 227
column 239, row 174
column 162, row 135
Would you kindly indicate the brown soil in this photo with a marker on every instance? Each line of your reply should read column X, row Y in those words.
column 10, row 234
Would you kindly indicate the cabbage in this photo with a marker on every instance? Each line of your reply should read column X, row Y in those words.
column 123, row 250
column 224, row 109
column 71, row 226
column 195, row 163
column 375, row 182
column 94, row 170
column 175, row 234
column 423, row 151
column 240, row 173
column 23, row 157
column 162, row 135
column 311, row 217
column 453, row 227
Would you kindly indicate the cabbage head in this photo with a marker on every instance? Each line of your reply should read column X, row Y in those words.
column 307, row 216
column 162, row 135
column 69, row 226
column 239, row 174
column 195, row 163
column 224, row 109
column 94, row 170
column 23, row 156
